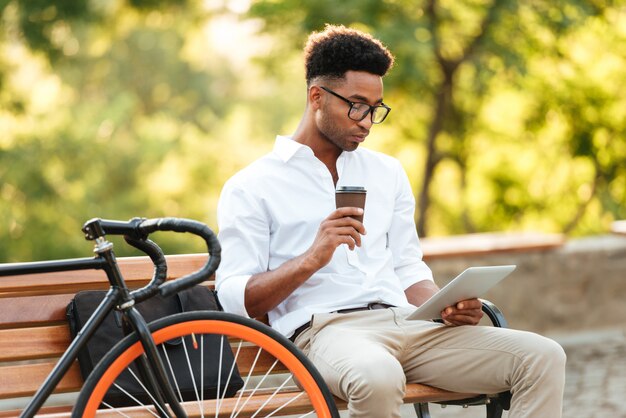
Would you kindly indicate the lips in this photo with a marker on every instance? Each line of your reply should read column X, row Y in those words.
column 360, row 137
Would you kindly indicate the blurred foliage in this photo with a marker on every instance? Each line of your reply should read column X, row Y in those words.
column 507, row 115
column 490, row 97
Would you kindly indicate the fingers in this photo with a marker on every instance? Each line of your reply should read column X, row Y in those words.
column 338, row 235
column 470, row 304
column 338, row 228
column 347, row 214
column 346, row 211
column 467, row 312
column 342, row 217
column 459, row 320
column 345, row 235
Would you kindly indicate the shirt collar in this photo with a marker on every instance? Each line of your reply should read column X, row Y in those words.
column 285, row 147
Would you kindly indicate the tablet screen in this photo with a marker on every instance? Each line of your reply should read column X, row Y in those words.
column 472, row 283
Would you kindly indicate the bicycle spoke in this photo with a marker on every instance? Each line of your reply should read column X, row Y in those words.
column 230, row 374
column 202, row 375
column 278, row 389
column 169, row 364
column 139, row 403
column 251, row 394
column 115, row 410
column 285, row 404
column 193, row 379
column 245, row 384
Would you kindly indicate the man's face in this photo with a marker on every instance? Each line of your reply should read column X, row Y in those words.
column 332, row 119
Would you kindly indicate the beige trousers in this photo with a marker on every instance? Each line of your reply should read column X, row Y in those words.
column 367, row 358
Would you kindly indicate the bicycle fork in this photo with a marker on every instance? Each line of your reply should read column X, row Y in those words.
column 152, row 369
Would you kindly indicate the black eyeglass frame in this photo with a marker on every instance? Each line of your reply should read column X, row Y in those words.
column 370, row 110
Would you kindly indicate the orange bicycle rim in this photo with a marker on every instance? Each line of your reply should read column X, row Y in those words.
column 227, row 328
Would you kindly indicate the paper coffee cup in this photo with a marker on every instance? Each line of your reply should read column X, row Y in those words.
column 351, row 196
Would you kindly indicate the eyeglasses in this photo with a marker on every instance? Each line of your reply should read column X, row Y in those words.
column 358, row 111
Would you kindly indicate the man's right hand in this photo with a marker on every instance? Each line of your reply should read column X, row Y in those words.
column 264, row 291
column 338, row 228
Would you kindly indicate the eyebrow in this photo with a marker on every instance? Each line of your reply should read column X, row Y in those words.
column 360, row 98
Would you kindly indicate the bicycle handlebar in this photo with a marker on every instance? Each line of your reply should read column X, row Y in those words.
column 160, row 267
column 136, row 233
column 193, row 227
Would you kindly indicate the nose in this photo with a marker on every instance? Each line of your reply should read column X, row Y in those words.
column 366, row 123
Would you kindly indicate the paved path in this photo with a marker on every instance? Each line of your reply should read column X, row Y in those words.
column 595, row 382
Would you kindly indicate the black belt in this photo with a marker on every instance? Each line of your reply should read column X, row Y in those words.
column 369, row 307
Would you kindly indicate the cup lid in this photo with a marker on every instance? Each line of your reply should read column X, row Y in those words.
column 352, row 189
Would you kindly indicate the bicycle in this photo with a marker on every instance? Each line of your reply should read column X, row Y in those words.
column 300, row 388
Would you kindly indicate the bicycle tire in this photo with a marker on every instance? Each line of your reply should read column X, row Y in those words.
column 248, row 333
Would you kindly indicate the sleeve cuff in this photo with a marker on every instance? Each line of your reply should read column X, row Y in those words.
column 231, row 294
column 410, row 275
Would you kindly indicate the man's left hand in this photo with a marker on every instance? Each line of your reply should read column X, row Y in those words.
column 466, row 312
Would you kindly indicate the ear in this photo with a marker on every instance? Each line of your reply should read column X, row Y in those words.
column 315, row 97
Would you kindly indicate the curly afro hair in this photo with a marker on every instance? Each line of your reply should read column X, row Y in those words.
column 339, row 49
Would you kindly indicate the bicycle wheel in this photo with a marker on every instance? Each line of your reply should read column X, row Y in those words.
column 277, row 378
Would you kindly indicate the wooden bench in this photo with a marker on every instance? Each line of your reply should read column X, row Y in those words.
column 34, row 332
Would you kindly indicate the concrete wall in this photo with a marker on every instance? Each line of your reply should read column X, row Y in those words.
column 579, row 286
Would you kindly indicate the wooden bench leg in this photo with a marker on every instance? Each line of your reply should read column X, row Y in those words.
column 422, row 410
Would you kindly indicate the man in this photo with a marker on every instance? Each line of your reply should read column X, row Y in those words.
column 341, row 289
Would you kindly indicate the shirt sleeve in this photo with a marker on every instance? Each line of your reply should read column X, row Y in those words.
column 402, row 236
column 244, row 237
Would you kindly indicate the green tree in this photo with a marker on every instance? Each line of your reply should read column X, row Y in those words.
column 454, row 61
column 108, row 113
column 507, row 115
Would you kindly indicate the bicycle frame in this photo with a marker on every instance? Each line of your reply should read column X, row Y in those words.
column 83, row 336
column 118, row 297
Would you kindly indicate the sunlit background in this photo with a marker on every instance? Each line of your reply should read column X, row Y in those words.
column 507, row 115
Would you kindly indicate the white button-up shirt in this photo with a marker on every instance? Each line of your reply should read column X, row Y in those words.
column 270, row 212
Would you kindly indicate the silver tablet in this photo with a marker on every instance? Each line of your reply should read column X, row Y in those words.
column 472, row 283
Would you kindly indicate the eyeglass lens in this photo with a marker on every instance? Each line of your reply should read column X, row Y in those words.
column 359, row 111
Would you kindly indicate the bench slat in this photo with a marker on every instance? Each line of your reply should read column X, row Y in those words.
column 24, row 379
column 134, row 269
column 32, row 311
column 46, row 342
column 263, row 363
column 33, row 343
column 418, row 393
column 298, row 406
column 415, row 393
column 45, row 410
column 20, row 312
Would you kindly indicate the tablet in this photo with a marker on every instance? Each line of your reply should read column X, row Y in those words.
column 472, row 283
